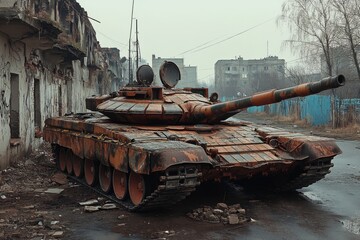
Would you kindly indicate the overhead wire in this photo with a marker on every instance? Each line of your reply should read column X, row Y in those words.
column 205, row 45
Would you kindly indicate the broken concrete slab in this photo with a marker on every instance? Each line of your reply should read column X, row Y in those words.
column 233, row 219
column 91, row 208
column 233, row 214
column 58, row 234
column 89, row 202
column 108, row 206
column 28, row 207
column 54, row 190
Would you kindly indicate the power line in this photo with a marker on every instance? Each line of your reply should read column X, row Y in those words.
column 208, row 76
column 203, row 46
column 123, row 44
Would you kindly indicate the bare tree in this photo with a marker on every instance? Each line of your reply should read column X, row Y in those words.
column 314, row 31
column 312, row 28
column 349, row 21
column 296, row 75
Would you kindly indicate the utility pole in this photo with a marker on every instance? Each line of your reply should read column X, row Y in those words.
column 131, row 22
column 137, row 45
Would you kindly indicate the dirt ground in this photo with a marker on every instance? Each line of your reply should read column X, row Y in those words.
column 31, row 204
column 37, row 202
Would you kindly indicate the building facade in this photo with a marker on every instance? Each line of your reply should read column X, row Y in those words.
column 188, row 73
column 239, row 77
column 50, row 62
column 116, row 67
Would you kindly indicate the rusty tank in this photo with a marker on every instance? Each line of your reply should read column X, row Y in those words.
column 146, row 146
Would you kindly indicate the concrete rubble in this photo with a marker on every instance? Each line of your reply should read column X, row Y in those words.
column 90, row 206
column 221, row 213
column 89, row 202
column 163, row 234
column 27, row 211
column 91, row 209
column 37, row 202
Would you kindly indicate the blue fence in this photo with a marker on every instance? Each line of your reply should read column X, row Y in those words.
column 316, row 109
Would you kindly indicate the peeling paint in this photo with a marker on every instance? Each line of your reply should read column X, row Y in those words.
column 54, row 43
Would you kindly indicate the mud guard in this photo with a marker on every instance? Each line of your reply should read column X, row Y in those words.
column 150, row 157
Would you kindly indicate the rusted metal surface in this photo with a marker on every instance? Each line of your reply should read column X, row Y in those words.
column 300, row 146
column 153, row 136
column 154, row 149
column 191, row 106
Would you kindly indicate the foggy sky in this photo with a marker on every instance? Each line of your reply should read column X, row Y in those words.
column 168, row 28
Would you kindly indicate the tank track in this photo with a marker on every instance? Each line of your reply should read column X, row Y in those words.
column 171, row 190
column 312, row 173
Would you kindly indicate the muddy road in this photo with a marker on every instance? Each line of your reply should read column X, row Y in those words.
column 36, row 205
column 329, row 209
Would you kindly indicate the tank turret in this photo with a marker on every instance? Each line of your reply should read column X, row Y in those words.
column 141, row 166
column 144, row 104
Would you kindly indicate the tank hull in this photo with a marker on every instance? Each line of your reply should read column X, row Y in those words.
column 150, row 166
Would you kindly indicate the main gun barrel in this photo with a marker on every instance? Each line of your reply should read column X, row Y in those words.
column 223, row 110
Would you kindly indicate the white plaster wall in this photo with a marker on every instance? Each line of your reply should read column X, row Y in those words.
column 76, row 84
column 8, row 3
column 12, row 61
column 4, row 102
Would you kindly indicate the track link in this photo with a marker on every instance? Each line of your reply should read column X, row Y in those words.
column 312, row 173
column 169, row 192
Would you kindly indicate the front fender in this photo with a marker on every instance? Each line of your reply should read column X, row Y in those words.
column 150, row 157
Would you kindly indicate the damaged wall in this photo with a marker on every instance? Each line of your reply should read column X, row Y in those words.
column 116, row 67
column 50, row 62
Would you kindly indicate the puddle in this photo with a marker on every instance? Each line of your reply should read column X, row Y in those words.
column 312, row 197
column 101, row 235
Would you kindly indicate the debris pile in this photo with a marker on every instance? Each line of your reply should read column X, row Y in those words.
column 93, row 205
column 38, row 202
column 163, row 234
column 222, row 213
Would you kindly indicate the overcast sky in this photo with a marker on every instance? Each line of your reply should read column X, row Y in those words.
column 168, row 28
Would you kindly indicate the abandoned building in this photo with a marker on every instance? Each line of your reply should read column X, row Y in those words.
column 240, row 77
column 188, row 73
column 50, row 62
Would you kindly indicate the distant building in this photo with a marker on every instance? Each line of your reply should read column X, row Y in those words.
column 188, row 73
column 239, row 77
column 133, row 68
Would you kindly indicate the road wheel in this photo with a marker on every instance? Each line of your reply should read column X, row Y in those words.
column 69, row 161
column 105, row 178
column 137, row 188
column 90, row 171
column 62, row 159
column 78, row 166
column 120, row 184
